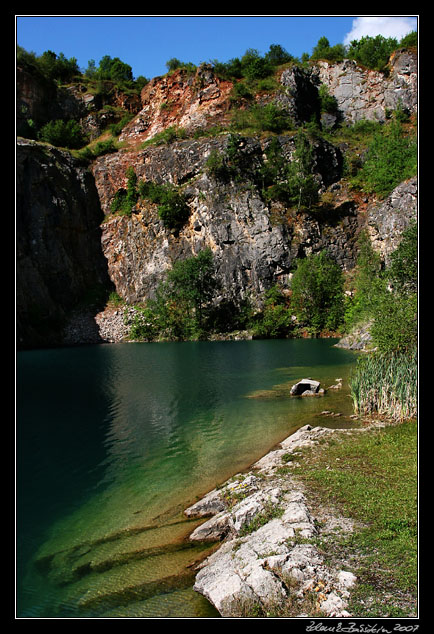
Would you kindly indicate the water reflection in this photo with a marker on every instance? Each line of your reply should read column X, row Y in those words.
column 113, row 436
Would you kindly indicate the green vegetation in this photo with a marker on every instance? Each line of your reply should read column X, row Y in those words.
column 239, row 161
column 391, row 159
column 323, row 50
column 175, row 64
column 317, row 296
column 269, row 512
column 262, row 118
column 385, row 382
column 372, row 52
column 367, row 284
column 99, row 148
column 275, row 320
column 389, row 297
column 372, row 478
column 116, row 71
column 172, row 206
column 62, row 134
column 169, row 135
column 125, row 199
column 252, row 66
column 182, row 304
column 48, row 66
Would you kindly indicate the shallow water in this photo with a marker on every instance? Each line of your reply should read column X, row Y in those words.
column 115, row 441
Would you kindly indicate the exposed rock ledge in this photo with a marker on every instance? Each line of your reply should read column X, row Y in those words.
column 278, row 563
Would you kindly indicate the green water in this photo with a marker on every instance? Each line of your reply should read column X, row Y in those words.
column 115, row 441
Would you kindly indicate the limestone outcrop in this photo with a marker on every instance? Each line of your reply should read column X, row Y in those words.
column 252, row 249
column 268, row 562
column 367, row 94
column 181, row 99
column 387, row 220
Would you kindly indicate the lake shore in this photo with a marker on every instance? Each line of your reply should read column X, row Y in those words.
column 278, row 539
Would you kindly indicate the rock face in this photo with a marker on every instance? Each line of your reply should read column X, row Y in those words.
column 255, row 242
column 268, row 562
column 42, row 101
column 252, row 249
column 59, row 255
column 387, row 221
column 182, row 99
column 368, row 94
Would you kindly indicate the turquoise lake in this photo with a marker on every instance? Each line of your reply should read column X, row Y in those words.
column 114, row 441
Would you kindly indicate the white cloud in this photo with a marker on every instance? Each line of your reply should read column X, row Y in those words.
column 388, row 26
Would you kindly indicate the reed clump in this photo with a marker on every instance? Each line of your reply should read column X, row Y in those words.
column 384, row 384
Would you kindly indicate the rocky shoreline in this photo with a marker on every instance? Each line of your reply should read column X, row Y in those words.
column 269, row 563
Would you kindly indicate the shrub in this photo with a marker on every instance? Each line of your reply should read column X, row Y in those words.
column 395, row 322
column 100, row 148
column 62, row 134
column 172, row 206
column 182, row 304
column 125, row 199
column 367, row 283
column 328, row 102
column 116, row 128
column 391, row 158
column 175, row 64
column 169, row 135
column 267, row 118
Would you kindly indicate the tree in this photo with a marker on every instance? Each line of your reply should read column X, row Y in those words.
column 114, row 69
column 373, row 52
column 183, row 300
column 368, row 284
column 395, row 316
column 277, row 55
column 172, row 206
column 317, row 297
column 275, row 320
column 254, row 66
column 302, row 185
column 323, row 50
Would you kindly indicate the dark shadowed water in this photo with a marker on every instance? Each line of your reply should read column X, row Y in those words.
column 115, row 441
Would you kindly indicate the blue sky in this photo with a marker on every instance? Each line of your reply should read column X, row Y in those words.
column 146, row 43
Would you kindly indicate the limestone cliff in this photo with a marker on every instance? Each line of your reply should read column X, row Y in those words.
column 58, row 241
column 69, row 241
column 253, row 247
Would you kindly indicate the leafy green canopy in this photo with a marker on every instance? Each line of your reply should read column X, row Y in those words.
column 317, row 297
column 62, row 134
column 182, row 305
column 388, row 298
column 49, row 65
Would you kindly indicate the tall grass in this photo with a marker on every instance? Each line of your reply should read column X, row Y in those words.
column 385, row 384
